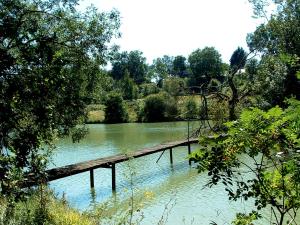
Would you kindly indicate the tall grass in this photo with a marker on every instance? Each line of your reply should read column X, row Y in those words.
column 39, row 209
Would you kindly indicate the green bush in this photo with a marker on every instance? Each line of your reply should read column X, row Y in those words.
column 218, row 112
column 159, row 107
column 174, row 85
column 154, row 108
column 190, row 109
column 214, row 85
column 171, row 111
column 148, row 89
column 115, row 111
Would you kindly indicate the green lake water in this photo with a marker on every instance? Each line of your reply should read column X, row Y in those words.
column 155, row 185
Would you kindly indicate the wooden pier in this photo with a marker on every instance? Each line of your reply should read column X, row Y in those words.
column 111, row 161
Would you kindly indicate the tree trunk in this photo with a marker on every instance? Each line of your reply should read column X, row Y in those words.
column 281, row 218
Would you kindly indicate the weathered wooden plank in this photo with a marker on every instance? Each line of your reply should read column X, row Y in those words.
column 65, row 171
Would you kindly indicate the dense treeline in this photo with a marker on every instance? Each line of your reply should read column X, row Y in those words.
column 248, row 79
column 136, row 79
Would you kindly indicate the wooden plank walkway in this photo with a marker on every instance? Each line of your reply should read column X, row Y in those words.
column 109, row 162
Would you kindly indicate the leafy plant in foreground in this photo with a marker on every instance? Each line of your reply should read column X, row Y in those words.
column 263, row 147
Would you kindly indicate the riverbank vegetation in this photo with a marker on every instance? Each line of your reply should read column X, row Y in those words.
column 265, row 140
column 53, row 80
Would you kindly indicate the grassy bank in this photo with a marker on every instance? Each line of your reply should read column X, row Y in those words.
column 96, row 113
column 42, row 209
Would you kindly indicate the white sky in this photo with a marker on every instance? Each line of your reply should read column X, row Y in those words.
column 178, row 27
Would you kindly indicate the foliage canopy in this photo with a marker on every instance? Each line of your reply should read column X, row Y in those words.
column 133, row 62
column 48, row 54
column 279, row 36
column 205, row 64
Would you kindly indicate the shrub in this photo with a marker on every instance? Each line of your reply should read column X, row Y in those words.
column 171, row 111
column 159, row 107
column 154, row 108
column 115, row 111
column 174, row 85
column 190, row 109
column 214, row 85
column 148, row 89
column 218, row 112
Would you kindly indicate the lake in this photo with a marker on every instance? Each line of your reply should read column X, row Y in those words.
column 161, row 191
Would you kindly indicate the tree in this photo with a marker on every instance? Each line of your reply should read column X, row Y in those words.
column 168, row 61
column 268, row 84
column 238, row 59
column 129, row 88
column 236, row 85
column 174, row 86
column 119, row 65
column 137, row 66
column 205, row 64
column 237, row 62
column 104, row 85
column 159, row 69
column 280, row 36
column 162, row 68
column 264, row 146
column 46, row 50
column 133, row 62
column 179, row 66
column 148, row 89
column 115, row 111
column 252, row 68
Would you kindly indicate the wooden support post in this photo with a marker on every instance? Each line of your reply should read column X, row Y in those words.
column 171, row 155
column 160, row 156
column 113, row 177
column 189, row 144
column 92, row 178
column 189, row 151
